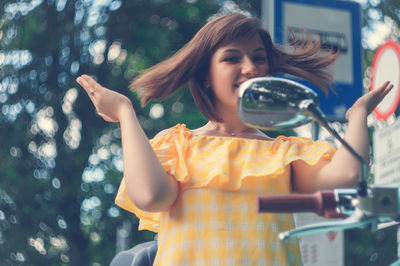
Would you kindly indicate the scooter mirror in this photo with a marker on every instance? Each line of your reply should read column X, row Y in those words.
column 274, row 103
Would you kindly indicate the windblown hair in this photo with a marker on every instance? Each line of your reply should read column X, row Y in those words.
column 190, row 65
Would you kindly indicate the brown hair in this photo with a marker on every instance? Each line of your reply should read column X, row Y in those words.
column 190, row 64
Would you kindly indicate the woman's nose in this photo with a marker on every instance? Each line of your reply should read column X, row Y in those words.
column 249, row 69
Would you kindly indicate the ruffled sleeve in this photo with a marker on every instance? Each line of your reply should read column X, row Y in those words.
column 289, row 149
column 170, row 147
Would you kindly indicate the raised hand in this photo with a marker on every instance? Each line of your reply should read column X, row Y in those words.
column 108, row 103
column 369, row 101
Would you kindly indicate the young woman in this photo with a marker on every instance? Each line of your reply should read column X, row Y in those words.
column 198, row 187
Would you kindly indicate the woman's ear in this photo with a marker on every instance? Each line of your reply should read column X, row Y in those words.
column 207, row 83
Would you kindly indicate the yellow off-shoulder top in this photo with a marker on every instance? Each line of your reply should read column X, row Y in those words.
column 214, row 220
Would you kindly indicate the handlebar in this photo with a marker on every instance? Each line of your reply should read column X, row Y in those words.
column 322, row 203
column 380, row 205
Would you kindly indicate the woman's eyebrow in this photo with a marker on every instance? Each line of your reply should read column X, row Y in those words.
column 262, row 49
column 231, row 50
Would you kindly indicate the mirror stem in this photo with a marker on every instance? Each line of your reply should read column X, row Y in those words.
column 309, row 107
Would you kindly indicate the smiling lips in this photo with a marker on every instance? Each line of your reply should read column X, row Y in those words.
column 237, row 85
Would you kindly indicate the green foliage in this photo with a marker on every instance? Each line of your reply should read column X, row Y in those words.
column 60, row 163
column 369, row 247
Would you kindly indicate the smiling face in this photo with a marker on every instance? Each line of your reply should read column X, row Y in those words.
column 231, row 65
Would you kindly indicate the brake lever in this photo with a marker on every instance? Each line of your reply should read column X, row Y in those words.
column 357, row 220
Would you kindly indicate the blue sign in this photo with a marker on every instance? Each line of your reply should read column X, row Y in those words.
column 338, row 25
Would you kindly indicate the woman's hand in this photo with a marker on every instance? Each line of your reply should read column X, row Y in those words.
column 369, row 101
column 108, row 103
column 343, row 170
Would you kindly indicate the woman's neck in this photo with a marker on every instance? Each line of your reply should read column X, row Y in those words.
column 230, row 129
column 224, row 129
column 231, row 126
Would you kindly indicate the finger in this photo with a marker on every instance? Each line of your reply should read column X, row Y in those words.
column 93, row 83
column 85, row 85
column 388, row 89
column 384, row 84
column 384, row 87
column 88, row 88
column 382, row 91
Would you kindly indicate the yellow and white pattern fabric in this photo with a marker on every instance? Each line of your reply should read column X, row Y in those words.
column 214, row 221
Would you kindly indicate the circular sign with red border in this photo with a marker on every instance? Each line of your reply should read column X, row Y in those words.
column 386, row 67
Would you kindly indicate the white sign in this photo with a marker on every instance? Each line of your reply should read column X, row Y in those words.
column 337, row 24
column 333, row 28
column 387, row 154
column 324, row 248
column 386, row 67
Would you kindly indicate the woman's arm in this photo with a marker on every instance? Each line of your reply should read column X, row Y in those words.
column 344, row 169
column 148, row 185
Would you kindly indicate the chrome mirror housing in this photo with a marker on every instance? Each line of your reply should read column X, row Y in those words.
column 274, row 103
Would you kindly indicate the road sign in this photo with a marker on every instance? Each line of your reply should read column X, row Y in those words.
column 338, row 25
column 387, row 154
column 386, row 66
column 324, row 248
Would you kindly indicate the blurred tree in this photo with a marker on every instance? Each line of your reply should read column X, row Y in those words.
column 60, row 163
column 381, row 21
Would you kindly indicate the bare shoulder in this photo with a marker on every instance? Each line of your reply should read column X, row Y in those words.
column 163, row 133
column 261, row 136
column 201, row 131
column 179, row 129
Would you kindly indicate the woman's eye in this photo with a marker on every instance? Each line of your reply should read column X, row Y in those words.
column 260, row 59
column 231, row 59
